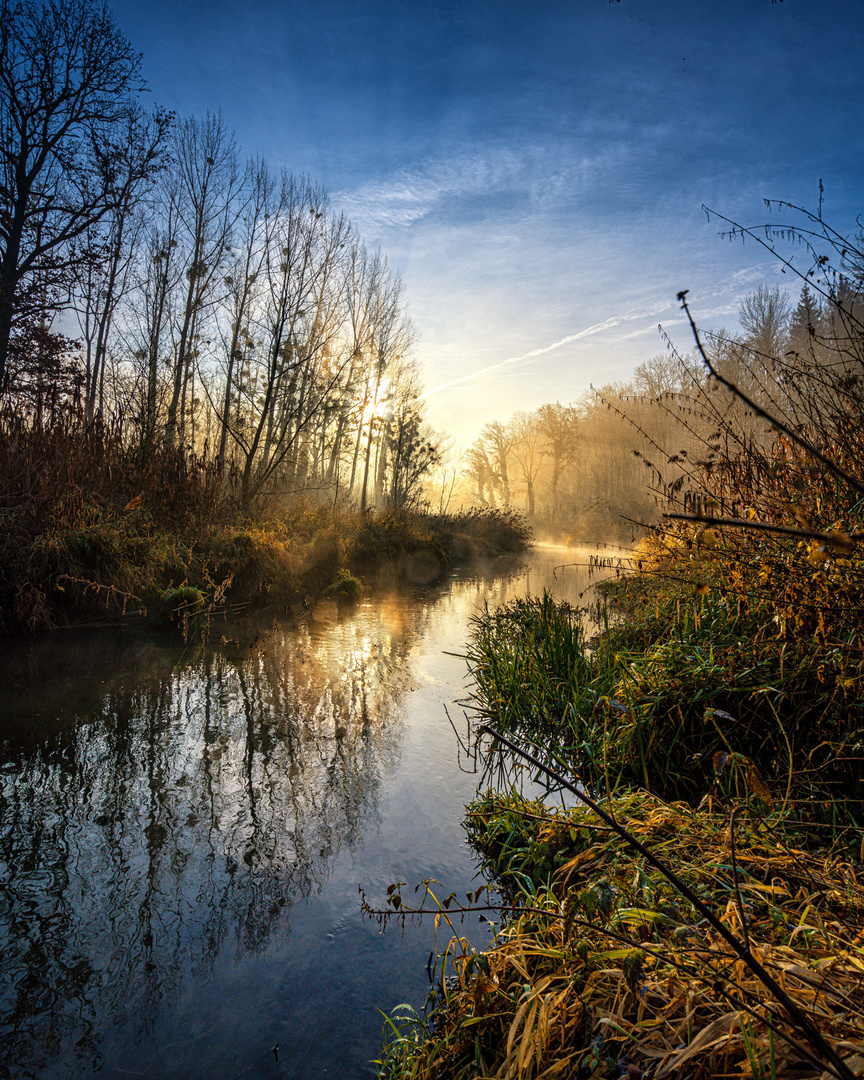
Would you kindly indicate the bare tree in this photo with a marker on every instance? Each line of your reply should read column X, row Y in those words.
column 138, row 151
column 205, row 190
column 290, row 371
column 497, row 440
column 559, row 425
column 764, row 316
column 365, row 280
column 393, row 337
column 480, row 473
column 242, row 282
column 157, row 273
column 66, row 76
column 662, row 374
column 529, row 450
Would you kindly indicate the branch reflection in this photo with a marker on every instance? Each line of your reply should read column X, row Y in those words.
column 179, row 814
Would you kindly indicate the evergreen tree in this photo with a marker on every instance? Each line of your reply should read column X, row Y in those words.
column 807, row 323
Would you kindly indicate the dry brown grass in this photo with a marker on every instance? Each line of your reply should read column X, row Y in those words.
column 604, row 971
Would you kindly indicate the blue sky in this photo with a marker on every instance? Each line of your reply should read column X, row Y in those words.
column 537, row 175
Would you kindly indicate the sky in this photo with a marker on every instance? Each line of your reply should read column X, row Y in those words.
column 537, row 173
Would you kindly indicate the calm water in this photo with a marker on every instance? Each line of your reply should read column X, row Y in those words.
column 183, row 832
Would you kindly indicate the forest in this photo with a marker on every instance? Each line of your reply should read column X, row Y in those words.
column 609, row 463
column 206, row 301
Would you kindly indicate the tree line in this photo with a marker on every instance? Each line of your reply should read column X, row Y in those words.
column 627, row 450
column 151, row 275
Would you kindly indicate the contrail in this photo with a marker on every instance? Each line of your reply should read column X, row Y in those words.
column 615, row 320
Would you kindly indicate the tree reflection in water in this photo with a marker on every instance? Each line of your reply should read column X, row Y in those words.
column 181, row 816
column 163, row 808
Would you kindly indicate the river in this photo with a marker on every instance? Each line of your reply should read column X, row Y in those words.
column 184, row 829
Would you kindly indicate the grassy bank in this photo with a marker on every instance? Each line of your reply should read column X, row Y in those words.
column 95, row 529
column 603, row 970
column 722, row 732
column 693, row 698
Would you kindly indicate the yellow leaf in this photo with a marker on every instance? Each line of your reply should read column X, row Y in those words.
column 757, row 784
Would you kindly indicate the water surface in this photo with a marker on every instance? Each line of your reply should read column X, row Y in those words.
column 184, row 829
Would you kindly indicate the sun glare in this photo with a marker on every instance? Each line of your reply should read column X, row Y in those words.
column 379, row 404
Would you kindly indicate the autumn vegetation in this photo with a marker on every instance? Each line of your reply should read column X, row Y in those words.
column 207, row 387
column 706, row 919
column 208, row 395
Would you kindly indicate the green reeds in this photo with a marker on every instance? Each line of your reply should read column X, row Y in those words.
column 668, row 711
column 530, row 669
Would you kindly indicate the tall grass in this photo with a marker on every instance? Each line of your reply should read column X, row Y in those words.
column 704, row 704
column 532, row 676
column 603, row 970
column 85, row 515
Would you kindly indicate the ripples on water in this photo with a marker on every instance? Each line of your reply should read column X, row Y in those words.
column 183, row 831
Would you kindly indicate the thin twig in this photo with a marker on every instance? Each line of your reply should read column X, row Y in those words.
column 741, row 915
column 838, row 539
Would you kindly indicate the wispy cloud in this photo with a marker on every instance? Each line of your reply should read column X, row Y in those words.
column 492, row 170
column 597, row 328
column 411, row 193
column 728, row 291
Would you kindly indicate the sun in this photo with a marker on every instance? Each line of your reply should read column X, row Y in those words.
column 379, row 404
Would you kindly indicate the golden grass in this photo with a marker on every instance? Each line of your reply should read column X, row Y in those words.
column 604, row 969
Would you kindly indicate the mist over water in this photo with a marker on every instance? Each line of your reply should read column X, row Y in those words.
column 183, row 831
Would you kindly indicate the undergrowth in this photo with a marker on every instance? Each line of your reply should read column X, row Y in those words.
column 687, row 692
column 603, row 970
column 95, row 528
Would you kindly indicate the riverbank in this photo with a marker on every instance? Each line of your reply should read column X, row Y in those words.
column 121, row 562
column 726, row 740
column 603, row 969
column 96, row 528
